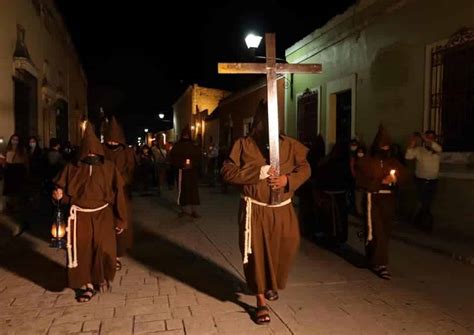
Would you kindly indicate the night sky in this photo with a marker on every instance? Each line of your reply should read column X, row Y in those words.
column 139, row 59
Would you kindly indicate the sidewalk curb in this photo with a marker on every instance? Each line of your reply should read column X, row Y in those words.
column 469, row 260
column 8, row 230
column 412, row 241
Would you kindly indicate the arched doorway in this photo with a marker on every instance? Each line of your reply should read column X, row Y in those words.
column 25, row 104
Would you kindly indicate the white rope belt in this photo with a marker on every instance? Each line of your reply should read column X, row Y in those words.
column 180, row 181
column 72, row 220
column 248, row 222
column 370, row 235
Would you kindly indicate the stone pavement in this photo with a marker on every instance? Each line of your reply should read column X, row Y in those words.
column 185, row 277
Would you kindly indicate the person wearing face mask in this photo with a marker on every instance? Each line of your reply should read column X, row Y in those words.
column 16, row 166
column 333, row 180
column 358, row 194
column 379, row 175
column 426, row 152
column 36, row 160
column 186, row 158
column 116, row 151
column 94, row 189
column 269, row 234
column 36, row 172
column 145, row 169
column 353, row 146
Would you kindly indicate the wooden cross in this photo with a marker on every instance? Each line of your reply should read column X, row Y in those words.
column 271, row 68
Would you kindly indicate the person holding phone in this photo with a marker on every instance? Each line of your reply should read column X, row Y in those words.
column 424, row 149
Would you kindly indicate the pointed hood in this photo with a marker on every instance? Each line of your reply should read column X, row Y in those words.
column 382, row 138
column 90, row 144
column 259, row 128
column 114, row 132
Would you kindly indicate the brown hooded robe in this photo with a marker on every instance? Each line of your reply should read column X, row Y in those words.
column 124, row 159
column 91, row 186
column 188, row 189
column 275, row 231
column 370, row 172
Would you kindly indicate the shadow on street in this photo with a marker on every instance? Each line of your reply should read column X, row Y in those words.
column 32, row 265
column 175, row 261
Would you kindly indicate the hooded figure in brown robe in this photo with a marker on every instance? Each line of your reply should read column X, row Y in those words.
column 116, row 150
column 186, row 158
column 94, row 189
column 379, row 175
column 269, row 234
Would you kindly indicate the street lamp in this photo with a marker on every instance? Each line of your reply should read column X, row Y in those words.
column 253, row 41
column 161, row 116
column 146, row 130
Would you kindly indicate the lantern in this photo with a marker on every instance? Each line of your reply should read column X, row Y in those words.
column 58, row 229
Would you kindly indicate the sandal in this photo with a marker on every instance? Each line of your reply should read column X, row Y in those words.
column 382, row 272
column 118, row 265
column 86, row 295
column 271, row 295
column 262, row 315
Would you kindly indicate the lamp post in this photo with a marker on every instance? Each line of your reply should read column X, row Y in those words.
column 253, row 41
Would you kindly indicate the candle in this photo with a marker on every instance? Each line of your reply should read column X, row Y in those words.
column 58, row 230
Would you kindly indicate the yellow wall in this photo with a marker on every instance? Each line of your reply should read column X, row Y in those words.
column 53, row 45
column 194, row 99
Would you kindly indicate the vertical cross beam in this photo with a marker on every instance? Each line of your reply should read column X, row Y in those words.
column 272, row 100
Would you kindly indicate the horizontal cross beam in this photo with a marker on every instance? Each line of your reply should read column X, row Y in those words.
column 253, row 68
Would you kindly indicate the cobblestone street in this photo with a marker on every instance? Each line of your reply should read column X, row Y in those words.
column 185, row 277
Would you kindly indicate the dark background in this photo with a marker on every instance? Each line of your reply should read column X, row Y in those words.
column 139, row 56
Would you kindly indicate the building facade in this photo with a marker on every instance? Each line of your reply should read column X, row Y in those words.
column 408, row 64
column 43, row 88
column 237, row 110
column 192, row 107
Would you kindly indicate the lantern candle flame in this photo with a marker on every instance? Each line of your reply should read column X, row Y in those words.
column 58, row 231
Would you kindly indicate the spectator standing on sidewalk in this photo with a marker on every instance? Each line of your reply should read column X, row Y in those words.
column 424, row 149
column 145, row 169
column 170, row 169
column 212, row 157
column 15, row 165
column 159, row 154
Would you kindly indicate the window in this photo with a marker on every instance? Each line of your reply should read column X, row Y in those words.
column 451, row 97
